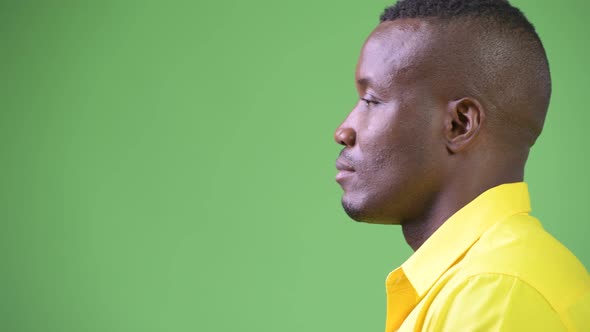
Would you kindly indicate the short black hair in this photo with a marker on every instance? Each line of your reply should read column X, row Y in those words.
column 499, row 18
column 500, row 11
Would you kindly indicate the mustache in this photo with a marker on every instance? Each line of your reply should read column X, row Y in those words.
column 346, row 157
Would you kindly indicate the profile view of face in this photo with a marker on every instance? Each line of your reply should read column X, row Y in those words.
column 392, row 138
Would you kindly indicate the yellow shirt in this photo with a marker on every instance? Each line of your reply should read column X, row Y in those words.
column 490, row 267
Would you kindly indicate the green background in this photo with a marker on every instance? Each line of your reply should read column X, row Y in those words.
column 169, row 166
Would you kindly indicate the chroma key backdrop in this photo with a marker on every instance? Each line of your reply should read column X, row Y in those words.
column 169, row 165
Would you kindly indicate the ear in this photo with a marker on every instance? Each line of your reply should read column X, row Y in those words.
column 463, row 122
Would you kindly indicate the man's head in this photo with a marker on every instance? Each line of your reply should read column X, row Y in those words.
column 452, row 93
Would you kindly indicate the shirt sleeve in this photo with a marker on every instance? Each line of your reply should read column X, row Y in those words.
column 493, row 302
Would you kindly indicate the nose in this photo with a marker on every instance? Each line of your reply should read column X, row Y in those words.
column 345, row 136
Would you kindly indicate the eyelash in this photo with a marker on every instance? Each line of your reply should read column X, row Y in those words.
column 369, row 102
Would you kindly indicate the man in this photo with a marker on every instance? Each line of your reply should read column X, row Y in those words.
column 453, row 94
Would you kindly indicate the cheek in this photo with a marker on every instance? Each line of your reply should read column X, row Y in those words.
column 395, row 148
column 388, row 138
column 383, row 155
column 377, row 130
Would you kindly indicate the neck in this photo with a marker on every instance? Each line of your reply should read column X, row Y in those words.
column 450, row 200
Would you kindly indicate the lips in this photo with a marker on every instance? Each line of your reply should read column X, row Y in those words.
column 342, row 165
column 345, row 171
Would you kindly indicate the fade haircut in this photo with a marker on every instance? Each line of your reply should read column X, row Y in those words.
column 497, row 18
column 499, row 10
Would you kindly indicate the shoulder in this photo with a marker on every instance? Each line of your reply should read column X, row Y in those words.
column 518, row 259
column 520, row 247
column 492, row 302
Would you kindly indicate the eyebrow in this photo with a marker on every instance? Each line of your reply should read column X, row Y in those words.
column 363, row 81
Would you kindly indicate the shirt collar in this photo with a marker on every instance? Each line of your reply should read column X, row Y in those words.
column 451, row 240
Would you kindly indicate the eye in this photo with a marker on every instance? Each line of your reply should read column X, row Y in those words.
column 370, row 102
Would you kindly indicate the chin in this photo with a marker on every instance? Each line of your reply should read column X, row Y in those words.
column 363, row 214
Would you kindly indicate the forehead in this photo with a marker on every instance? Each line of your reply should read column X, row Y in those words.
column 395, row 51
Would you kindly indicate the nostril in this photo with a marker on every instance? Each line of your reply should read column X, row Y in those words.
column 339, row 137
column 345, row 136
